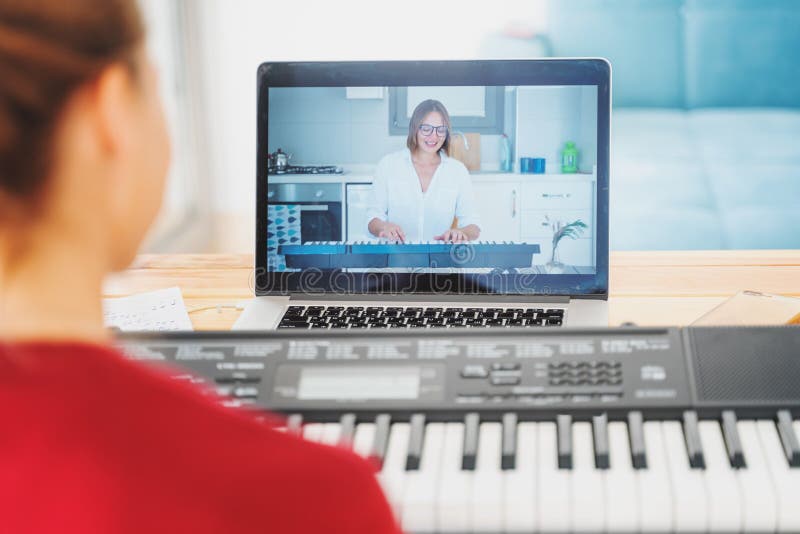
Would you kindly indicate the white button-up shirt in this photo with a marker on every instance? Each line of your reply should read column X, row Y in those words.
column 397, row 196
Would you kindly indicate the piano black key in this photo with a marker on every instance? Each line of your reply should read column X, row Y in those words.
column 788, row 438
column 508, row 459
column 564, row 436
column 470, row 449
column 382, row 425
column 694, row 446
column 347, row 424
column 636, row 435
column 294, row 424
column 732, row 441
column 415, row 440
column 600, row 436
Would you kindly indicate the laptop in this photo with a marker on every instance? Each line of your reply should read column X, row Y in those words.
column 431, row 194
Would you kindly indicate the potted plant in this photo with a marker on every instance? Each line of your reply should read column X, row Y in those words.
column 561, row 230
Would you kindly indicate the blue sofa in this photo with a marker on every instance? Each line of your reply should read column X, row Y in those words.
column 705, row 147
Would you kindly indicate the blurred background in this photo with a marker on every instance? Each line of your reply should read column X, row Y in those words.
column 705, row 149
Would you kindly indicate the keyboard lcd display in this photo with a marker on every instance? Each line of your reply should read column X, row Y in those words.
column 359, row 383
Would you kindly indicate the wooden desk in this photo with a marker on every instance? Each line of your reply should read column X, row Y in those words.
column 648, row 288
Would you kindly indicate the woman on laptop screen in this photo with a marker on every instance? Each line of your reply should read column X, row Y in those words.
column 92, row 442
column 420, row 193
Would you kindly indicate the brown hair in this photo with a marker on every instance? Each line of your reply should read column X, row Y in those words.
column 422, row 109
column 48, row 48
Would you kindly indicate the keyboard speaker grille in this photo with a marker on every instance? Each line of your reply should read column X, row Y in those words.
column 750, row 364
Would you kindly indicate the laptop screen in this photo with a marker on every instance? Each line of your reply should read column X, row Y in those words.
column 491, row 188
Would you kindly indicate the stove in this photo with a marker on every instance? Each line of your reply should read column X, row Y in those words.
column 306, row 169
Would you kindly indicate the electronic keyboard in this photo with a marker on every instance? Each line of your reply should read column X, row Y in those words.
column 615, row 430
column 421, row 254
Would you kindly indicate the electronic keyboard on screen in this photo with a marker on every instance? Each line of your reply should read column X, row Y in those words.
column 616, row 430
column 422, row 254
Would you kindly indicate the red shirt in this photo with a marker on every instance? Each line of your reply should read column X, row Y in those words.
column 92, row 442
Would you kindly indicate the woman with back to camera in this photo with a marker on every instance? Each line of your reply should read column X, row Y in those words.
column 92, row 442
column 417, row 192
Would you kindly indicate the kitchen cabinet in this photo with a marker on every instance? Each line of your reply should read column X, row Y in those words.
column 524, row 209
column 498, row 208
column 357, row 198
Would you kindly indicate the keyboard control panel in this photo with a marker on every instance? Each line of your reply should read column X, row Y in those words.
column 488, row 369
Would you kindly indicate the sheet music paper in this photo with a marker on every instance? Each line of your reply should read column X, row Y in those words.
column 160, row 310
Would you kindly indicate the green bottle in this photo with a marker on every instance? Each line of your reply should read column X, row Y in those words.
column 569, row 158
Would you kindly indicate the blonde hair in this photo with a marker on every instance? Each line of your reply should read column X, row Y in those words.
column 420, row 112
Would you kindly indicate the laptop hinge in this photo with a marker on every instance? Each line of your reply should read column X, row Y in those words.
column 430, row 297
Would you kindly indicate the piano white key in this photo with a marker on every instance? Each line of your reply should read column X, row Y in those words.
column 455, row 485
column 294, row 424
column 722, row 487
column 520, row 482
column 487, row 486
column 654, row 484
column 347, row 424
column 622, row 486
column 552, row 492
column 362, row 441
column 392, row 476
column 689, row 491
column 419, row 494
column 760, row 507
column 313, row 431
column 587, row 493
column 785, row 478
column 331, row 433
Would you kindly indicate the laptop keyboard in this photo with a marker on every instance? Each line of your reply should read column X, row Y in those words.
column 305, row 317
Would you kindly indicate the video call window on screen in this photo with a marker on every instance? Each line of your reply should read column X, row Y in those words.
column 473, row 179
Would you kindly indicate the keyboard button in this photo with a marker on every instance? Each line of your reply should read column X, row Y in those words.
column 504, row 380
column 293, row 324
column 474, row 371
column 506, row 366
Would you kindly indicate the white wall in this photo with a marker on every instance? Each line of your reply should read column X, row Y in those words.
column 547, row 117
column 242, row 34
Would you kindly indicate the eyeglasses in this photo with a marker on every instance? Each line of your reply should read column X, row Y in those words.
column 427, row 129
